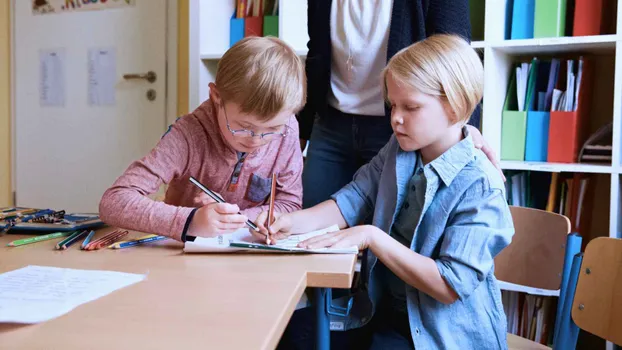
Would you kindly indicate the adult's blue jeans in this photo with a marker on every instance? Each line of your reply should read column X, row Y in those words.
column 340, row 144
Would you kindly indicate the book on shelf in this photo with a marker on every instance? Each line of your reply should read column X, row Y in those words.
column 530, row 316
column 568, row 194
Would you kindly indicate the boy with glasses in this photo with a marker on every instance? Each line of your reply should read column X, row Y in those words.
column 232, row 143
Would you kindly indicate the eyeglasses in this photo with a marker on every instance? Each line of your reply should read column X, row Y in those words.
column 245, row 133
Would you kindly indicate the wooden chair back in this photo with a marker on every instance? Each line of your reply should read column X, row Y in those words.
column 535, row 258
column 597, row 305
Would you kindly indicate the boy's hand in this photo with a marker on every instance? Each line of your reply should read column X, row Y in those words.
column 203, row 199
column 480, row 143
column 360, row 236
column 280, row 229
column 216, row 218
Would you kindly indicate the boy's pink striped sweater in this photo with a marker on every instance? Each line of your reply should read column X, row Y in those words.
column 194, row 146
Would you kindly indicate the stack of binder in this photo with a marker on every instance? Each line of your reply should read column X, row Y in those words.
column 545, row 109
column 254, row 18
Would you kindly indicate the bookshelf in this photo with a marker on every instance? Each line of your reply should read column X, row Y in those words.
column 209, row 39
column 209, row 34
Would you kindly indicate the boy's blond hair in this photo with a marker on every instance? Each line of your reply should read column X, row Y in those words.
column 264, row 76
column 442, row 65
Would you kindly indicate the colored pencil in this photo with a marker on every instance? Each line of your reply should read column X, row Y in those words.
column 72, row 234
column 133, row 239
column 73, row 239
column 38, row 239
column 87, row 239
column 271, row 207
column 106, row 240
column 146, row 239
column 218, row 199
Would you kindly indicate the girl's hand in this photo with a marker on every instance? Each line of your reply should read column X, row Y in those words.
column 280, row 229
column 480, row 143
column 216, row 218
column 360, row 236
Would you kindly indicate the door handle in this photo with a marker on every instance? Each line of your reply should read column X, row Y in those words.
column 150, row 76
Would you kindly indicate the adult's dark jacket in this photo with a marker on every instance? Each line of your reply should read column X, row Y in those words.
column 411, row 21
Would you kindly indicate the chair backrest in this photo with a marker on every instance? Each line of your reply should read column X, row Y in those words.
column 535, row 258
column 597, row 305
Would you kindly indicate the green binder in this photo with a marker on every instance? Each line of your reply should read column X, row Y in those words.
column 271, row 26
column 549, row 18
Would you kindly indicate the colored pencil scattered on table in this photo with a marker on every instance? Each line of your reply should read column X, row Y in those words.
column 106, row 240
column 71, row 234
column 87, row 239
column 66, row 243
column 133, row 242
column 38, row 238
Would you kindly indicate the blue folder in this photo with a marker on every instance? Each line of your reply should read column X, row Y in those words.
column 523, row 19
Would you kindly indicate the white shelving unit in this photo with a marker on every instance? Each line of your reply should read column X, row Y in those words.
column 209, row 39
column 209, row 22
column 500, row 54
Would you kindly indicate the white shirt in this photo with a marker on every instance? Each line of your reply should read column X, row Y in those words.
column 359, row 36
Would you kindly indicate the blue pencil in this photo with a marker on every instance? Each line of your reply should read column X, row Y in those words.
column 138, row 241
column 87, row 239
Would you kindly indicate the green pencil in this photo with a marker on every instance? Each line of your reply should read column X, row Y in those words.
column 38, row 238
column 72, row 234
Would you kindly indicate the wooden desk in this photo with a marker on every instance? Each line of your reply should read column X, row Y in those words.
column 207, row 301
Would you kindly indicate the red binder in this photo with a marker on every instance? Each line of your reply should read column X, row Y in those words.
column 594, row 17
column 253, row 26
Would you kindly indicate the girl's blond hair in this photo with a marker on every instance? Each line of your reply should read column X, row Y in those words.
column 264, row 76
column 441, row 65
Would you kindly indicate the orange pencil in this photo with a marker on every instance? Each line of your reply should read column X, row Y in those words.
column 271, row 207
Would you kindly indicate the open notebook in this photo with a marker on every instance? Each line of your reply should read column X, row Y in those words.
column 242, row 241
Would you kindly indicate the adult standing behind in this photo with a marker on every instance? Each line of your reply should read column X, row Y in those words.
column 350, row 42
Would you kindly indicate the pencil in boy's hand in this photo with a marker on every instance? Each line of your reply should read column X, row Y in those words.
column 218, row 199
column 271, row 208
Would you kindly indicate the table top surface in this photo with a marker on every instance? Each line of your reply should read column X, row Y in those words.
column 233, row 301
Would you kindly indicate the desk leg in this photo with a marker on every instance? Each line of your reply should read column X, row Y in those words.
column 322, row 325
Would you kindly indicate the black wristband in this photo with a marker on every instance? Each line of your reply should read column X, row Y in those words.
column 184, row 236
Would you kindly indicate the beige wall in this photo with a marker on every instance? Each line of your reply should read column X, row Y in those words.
column 6, row 197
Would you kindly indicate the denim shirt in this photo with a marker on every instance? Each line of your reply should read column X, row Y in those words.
column 465, row 222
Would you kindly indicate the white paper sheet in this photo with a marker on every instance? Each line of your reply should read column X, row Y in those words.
column 102, row 66
column 39, row 293
column 52, row 78
column 221, row 244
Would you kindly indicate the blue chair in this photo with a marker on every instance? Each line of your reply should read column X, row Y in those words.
column 592, row 297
